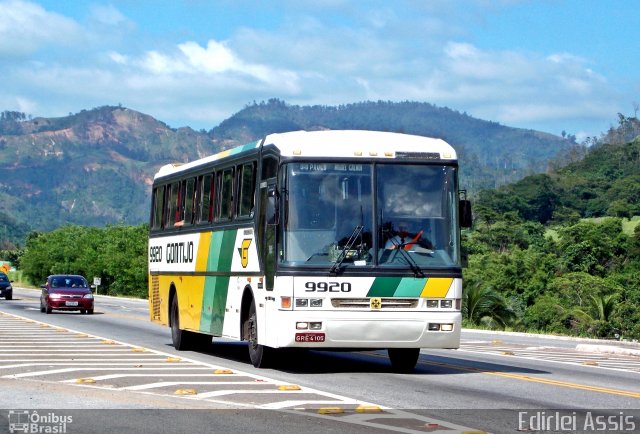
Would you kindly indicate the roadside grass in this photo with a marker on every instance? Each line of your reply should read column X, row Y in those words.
column 552, row 233
column 19, row 280
column 628, row 226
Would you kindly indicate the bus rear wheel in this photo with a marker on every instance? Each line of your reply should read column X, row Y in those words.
column 403, row 360
column 259, row 354
column 184, row 339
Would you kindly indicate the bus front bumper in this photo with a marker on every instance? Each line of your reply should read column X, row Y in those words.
column 360, row 330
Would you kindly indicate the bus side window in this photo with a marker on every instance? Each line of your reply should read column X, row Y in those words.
column 206, row 198
column 246, row 189
column 180, row 205
column 158, row 207
column 171, row 204
column 269, row 168
column 189, row 202
column 225, row 195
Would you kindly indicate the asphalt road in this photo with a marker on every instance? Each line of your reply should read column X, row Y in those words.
column 495, row 382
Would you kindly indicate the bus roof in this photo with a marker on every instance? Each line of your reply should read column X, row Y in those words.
column 356, row 143
column 337, row 144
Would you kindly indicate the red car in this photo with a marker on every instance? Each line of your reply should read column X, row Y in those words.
column 66, row 292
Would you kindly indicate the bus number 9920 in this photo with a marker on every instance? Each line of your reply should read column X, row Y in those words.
column 328, row 286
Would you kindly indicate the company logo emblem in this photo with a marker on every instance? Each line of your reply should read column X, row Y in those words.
column 375, row 303
column 18, row 421
column 244, row 252
column 27, row 421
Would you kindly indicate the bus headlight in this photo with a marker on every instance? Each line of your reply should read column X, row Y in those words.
column 308, row 302
column 316, row 302
column 446, row 304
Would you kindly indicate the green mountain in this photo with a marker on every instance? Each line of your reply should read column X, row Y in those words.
column 96, row 167
column 606, row 182
column 491, row 154
column 540, row 266
column 91, row 168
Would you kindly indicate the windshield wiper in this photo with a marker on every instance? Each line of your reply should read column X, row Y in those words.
column 348, row 245
column 417, row 271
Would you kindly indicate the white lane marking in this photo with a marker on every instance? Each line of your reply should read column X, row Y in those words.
column 82, row 367
column 186, row 383
column 164, row 375
column 331, row 399
column 183, row 360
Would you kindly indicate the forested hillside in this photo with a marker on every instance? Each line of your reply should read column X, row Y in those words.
column 539, row 261
column 605, row 183
column 92, row 168
column 95, row 167
column 491, row 154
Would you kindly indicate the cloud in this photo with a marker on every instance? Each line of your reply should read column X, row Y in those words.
column 215, row 58
column 322, row 53
column 214, row 66
column 108, row 15
column 506, row 86
column 27, row 27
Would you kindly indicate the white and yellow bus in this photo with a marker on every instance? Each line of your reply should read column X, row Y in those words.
column 318, row 240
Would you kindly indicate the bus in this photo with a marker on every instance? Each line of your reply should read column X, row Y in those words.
column 326, row 240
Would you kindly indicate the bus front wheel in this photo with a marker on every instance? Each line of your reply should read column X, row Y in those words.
column 259, row 354
column 403, row 360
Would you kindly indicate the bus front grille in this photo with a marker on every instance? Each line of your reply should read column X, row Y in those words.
column 365, row 303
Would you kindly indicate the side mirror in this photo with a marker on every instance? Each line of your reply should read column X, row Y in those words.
column 466, row 219
column 272, row 206
column 44, row 286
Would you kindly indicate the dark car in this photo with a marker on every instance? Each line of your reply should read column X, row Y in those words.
column 6, row 290
column 66, row 292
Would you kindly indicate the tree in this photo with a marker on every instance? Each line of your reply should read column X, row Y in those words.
column 482, row 304
column 619, row 208
column 593, row 248
column 546, row 315
column 117, row 254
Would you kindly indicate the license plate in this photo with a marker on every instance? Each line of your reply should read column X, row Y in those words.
column 309, row 337
column 71, row 303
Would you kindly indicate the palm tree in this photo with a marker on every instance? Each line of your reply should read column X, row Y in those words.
column 596, row 317
column 602, row 306
column 485, row 305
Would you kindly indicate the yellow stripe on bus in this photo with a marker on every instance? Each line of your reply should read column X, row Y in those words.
column 191, row 288
column 436, row 287
column 203, row 251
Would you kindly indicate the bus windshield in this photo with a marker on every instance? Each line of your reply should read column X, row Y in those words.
column 370, row 215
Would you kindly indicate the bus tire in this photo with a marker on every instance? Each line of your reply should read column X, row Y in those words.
column 259, row 354
column 403, row 360
column 182, row 339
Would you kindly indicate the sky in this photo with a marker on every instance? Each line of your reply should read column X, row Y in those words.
column 548, row 65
